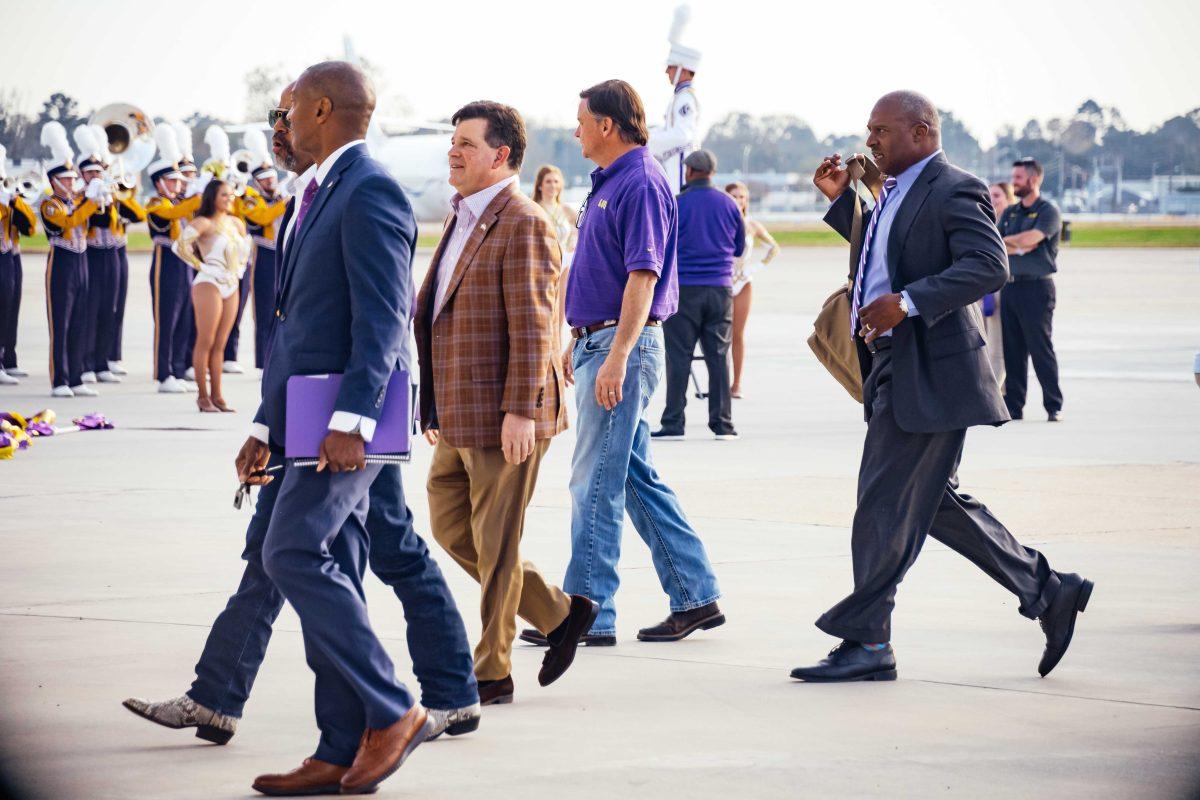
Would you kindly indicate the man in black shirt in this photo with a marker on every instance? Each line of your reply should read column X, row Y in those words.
column 1031, row 231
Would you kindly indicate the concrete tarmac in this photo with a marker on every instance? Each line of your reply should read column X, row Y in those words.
column 120, row 548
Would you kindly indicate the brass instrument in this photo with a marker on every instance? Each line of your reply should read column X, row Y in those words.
column 130, row 134
column 30, row 186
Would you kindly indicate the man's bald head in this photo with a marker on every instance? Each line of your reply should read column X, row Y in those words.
column 915, row 108
column 333, row 103
column 904, row 129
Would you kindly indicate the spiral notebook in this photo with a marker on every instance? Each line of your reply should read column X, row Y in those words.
column 310, row 404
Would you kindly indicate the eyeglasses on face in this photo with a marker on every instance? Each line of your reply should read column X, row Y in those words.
column 275, row 115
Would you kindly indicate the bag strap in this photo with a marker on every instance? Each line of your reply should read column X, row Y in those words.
column 863, row 172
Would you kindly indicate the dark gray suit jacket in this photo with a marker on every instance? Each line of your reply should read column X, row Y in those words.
column 945, row 251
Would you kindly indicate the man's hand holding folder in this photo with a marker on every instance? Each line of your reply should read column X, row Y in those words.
column 342, row 452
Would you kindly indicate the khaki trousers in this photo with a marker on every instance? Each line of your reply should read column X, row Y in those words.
column 477, row 503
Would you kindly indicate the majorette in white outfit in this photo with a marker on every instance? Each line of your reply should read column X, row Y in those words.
column 680, row 132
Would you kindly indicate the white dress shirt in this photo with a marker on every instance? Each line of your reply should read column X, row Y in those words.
column 342, row 421
column 296, row 189
column 877, row 281
column 467, row 211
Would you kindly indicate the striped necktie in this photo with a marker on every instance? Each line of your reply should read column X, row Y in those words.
column 888, row 185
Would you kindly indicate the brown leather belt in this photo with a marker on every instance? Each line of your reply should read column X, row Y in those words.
column 592, row 327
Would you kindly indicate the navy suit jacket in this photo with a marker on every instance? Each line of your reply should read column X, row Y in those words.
column 945, row 251
column 345, row 291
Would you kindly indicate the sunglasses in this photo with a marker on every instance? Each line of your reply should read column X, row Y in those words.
column 275, row 115
column 583, row 207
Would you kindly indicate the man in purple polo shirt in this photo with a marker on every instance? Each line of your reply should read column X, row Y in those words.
column 712, row 234
column 622, row 286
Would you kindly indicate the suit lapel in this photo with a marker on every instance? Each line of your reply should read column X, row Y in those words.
column 426, row 294
column 281, row 256
column 907, row 213
column 324, row 192
column 483, row 226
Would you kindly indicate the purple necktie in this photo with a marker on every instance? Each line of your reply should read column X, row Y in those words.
column 888, row 185
column 310, row 192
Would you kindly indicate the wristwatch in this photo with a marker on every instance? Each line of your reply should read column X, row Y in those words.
column 904, row 305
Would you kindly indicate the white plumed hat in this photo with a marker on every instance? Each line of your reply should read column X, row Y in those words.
column 54, row 137
column 183, row 134
column 218, row 143
column 682, row 55
column 167, row 165
column 89, row 148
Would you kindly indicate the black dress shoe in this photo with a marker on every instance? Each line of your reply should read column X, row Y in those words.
column 565, row 638
column 1058, row 622
column 1054, row 416
column 850, row 661
column 664, row 435
column 534, row 636
column 495, row 693
column 680, row 624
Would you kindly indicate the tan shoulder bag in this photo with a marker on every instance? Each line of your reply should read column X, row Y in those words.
column 831, row 340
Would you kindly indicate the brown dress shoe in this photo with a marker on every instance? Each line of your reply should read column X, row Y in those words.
column 311, row 777
column 382, row 751
column 682, row 623
column 497, row 692
column 565, row 639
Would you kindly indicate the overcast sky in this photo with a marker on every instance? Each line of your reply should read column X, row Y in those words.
column 990, row 63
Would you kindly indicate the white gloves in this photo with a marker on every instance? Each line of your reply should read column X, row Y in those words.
column 94, row 190
column 6, row 196
column 196, row 185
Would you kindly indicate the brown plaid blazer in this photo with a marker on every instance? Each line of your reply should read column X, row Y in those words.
column 495, row 346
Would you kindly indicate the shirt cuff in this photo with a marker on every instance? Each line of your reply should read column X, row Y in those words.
column 912, row 307
column 345, row 422
column 260, row 432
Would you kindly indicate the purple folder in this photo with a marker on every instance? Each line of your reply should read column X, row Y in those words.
column 310, row 404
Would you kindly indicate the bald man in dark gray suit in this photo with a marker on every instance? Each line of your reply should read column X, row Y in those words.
column 930, row 251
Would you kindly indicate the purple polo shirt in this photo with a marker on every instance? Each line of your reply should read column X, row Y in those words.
column 627, row 223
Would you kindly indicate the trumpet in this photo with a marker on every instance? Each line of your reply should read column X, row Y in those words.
column 122, row 179
column 228, row 173
column 30, row 186
column 237, row 182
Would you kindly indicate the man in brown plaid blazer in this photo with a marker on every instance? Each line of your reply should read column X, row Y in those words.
column 492, row 391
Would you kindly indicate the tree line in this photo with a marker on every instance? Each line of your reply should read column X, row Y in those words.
column 1092, row 142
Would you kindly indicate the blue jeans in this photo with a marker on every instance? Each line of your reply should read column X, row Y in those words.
column 437, row 640
column 611, row 474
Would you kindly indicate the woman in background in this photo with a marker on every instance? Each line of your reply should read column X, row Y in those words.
column 1002, row 198
column 547, row 193
column 743, row 272
column 215, row 244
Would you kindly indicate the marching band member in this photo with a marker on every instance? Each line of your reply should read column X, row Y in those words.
column 679, row 134
column 17, row 219
column 261, row 207
column 191, row 186
column 170, row 277
column 103, row 265
column 129, row 210
column 65, row 217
